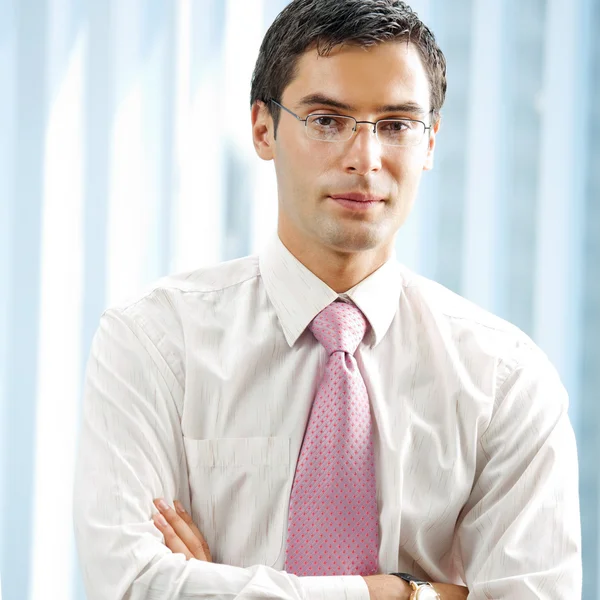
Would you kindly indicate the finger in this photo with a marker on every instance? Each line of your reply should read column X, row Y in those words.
column 190, row 523
column 181, row 528
column 172, row 540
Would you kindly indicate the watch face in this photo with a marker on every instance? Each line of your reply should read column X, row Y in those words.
column 426, row 592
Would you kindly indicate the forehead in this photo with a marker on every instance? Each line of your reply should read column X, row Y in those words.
column 365, row 78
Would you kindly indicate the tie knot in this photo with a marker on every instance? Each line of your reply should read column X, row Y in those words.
column 339, row 327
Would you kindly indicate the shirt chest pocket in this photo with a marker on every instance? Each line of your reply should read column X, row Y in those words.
column 239, row 492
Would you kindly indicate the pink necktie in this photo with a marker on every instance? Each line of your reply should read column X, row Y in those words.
column 333, row 519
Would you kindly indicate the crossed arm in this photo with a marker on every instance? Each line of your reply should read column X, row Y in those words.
column 517, row 536
column 182, row 536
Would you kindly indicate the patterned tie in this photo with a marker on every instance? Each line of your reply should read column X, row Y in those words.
column 333, row 519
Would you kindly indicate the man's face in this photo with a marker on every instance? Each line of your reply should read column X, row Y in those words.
column 369, row 81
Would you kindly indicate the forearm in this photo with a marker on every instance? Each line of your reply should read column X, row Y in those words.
column 168, row 576
column 209, row 580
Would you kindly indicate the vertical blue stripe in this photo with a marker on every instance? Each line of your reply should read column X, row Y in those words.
column 558, row 316
column 99, row 112
column 158, row 40
column 452, row 27
column 208, row 29
column 559, row 252
column 589, row 323
column 482, row 259
column 167, row 120
column 8, row 57
column 99, row 118
column 524, row 56
column 238, row 212
column 23, row 311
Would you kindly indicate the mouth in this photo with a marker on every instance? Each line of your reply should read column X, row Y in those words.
column 355, row 201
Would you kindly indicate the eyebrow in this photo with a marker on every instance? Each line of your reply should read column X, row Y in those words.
column 321, row 99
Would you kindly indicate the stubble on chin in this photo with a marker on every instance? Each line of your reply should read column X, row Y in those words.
column 350, row 237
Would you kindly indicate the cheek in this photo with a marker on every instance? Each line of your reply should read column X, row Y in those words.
column 407, row 168
column 302, row 160
column 316, row 164
column 289, row 166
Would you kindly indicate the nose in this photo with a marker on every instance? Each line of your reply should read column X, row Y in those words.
column 362, row 155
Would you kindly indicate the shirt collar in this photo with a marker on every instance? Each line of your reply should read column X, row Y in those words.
column 298, row 295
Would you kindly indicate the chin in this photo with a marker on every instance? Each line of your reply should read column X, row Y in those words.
column 354, row 241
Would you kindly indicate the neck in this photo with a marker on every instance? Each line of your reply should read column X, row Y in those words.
column 340, row 270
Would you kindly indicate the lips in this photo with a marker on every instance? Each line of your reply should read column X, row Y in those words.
column 356, row 197
column 356, row 203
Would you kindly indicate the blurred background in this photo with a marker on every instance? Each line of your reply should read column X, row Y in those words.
column 126, row 154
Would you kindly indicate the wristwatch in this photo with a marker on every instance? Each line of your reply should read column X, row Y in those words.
column 423, row 590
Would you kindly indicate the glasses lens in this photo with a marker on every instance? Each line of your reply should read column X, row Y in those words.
column 400, row 132
column 329, row 128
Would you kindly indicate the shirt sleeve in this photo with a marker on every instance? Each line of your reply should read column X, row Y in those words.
column 519, row 534
column 131, row 451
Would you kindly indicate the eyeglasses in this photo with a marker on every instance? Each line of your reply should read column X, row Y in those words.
column 340, row 128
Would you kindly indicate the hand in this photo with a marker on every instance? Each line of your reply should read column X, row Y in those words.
column 180, row 533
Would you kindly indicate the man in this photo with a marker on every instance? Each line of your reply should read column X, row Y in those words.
column 325, row 417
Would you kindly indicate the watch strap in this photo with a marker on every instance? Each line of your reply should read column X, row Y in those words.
column 411, row 578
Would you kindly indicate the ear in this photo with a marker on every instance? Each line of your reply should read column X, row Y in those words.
column 431, row 146
column 263, row 131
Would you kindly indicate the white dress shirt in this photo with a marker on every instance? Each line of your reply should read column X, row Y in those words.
column 200, row 390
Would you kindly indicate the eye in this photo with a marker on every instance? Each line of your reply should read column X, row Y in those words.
column 325, row 121
column 395, row 126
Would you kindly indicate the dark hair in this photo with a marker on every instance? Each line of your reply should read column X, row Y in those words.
column 326, row 24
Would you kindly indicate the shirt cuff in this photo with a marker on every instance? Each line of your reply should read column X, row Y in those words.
column 342, row 587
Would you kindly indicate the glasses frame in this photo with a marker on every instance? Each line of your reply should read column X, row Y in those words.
column 356, row 123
